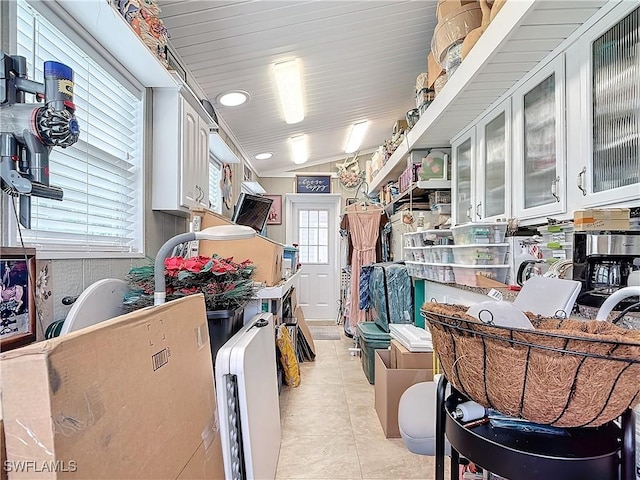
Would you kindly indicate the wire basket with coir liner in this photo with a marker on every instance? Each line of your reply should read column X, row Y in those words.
column 565, row 373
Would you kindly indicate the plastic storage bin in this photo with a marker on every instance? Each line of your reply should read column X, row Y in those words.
column 372, row 337
column 472, row 233
column 480, row 254
column 437, row 237
column 466, row 274
column 439, row 254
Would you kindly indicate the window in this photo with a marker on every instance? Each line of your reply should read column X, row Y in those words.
column 101, row 175
column 616, row 96
column 313, row 236
column 215, row 193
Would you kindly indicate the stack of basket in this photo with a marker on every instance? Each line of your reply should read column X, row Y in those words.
column 460, row 25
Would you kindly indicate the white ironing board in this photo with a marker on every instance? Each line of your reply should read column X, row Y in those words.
column 100, row 301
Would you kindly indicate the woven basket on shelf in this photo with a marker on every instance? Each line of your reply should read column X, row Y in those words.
column 566, row 373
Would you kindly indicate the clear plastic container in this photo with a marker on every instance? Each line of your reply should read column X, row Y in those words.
column 442, row 208
column 441, row 254
column 472, row 233
column 480, row 254
column 453, row 58
column 561, row 233
column 466, row 274
column 437, row 237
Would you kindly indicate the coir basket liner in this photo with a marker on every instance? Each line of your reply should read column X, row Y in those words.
column 566, row 373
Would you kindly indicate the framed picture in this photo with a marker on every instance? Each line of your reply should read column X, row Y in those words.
column 275, row 214
column 313, row 184
column 17, row 291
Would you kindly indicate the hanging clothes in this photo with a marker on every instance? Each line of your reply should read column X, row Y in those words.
column 363, row 226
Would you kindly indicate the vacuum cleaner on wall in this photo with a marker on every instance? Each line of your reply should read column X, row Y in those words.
column 29, row 131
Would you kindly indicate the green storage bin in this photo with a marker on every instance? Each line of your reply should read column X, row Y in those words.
column 372, row 338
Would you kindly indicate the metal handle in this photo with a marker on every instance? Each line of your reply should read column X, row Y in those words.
column 581, row 181
column 468, row 213
column 478, row 214
column 554, row 188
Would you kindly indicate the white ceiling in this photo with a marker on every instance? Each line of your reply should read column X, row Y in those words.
column 360, row 58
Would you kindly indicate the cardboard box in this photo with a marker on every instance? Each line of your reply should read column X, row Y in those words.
column 390, row 384
column 263, row 252
column 131, row 397
column 434, row 70
column 404, row 359
column 447, row 7
column 453, row 27
column 601, row 219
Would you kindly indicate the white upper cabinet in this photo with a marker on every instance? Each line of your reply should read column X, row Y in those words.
column 481, row 167
column 493, row 187
column 604, row 128
column 464, row 155
column 180, row 152
column 539, row 143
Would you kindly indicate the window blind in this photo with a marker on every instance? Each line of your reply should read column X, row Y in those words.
column 215, row 194
column 101, row 174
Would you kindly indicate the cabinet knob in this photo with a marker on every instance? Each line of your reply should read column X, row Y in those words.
column 581, row 181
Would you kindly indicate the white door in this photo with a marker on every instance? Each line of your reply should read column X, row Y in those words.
column 312, row 223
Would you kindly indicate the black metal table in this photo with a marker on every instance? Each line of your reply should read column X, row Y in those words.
column 603, row 453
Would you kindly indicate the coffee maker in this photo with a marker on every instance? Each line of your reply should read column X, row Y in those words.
column 603, row 262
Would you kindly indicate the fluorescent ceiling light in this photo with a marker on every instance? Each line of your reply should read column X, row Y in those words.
column 233, row 98
column 299, row 147
column 356, row 136
column 264, row 156
column 288, row 80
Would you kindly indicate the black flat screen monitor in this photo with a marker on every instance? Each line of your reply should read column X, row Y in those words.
column 252, row 210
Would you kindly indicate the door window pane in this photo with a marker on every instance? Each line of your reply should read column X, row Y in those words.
column 616, row 105
column 304, row 218
column 323, row 219
column 313, row 218
column 494, row 169
column 313, row 236
column 540, row 143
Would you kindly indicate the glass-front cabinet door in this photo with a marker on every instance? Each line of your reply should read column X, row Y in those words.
column 463, row 172
column 609, row 169
column 493, row 190
column 539, row 182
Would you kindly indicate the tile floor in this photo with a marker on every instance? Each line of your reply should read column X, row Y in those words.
column 330, row 429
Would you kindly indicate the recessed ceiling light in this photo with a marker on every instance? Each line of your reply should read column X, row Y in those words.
column 233, row 98
column 264, row 156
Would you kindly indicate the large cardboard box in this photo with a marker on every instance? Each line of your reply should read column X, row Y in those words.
column 390, row 384
column 263, row 252
column 447, row 7
column 404, row 359
column 132, row 397
column 434, row 70
column 601, row 219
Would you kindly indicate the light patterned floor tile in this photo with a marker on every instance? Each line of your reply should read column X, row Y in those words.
column 300, row 420
column 315, row 457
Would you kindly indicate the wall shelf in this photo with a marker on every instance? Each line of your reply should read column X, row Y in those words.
column 115, row 35
column 507, row 51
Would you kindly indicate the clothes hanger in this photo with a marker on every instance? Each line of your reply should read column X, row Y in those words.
column 364, row 203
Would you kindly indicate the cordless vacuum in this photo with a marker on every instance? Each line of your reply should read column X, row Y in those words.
column 28, row 131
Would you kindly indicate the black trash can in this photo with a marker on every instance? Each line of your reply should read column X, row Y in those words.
column 223, row 324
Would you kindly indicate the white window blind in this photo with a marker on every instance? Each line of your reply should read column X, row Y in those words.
column 101, row 174
column 215, row 193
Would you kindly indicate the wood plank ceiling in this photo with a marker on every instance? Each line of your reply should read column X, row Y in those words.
column 360, row 60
